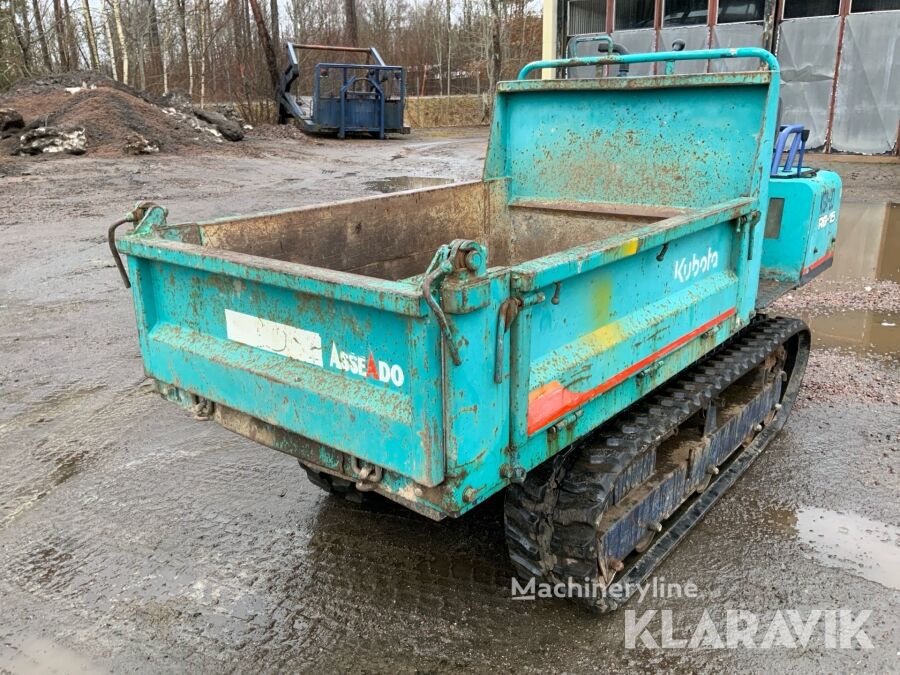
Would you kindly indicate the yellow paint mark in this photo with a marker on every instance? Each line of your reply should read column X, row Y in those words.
column 629, row 248
column 602, row 297
column 604, row 337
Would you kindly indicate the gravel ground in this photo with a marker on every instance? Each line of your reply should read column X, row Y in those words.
column 833, row 375
column 134, row 538
column 836, row 295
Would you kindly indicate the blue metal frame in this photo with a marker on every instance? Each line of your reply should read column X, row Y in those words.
column 360, row 111
column 369, row 109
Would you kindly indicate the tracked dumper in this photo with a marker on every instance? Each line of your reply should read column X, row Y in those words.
column 584, row 328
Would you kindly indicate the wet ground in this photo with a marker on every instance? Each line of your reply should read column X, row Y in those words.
column 135, row 538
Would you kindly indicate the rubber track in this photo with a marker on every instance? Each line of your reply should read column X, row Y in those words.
column 551, row 519
column 332, row 484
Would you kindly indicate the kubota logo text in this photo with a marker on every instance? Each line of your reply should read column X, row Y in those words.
column 366, row 366
column 686, row 270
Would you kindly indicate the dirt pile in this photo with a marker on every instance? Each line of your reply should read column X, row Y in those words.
column 115, row 119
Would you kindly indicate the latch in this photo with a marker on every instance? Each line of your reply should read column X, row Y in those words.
column 460, row 254
column 509, row 310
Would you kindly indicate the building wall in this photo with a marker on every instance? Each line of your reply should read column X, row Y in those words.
column 840, row 59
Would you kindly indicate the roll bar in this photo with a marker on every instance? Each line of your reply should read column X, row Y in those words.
column 611, row 59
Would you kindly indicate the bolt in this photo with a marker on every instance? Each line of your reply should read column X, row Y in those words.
column 418, row 491
column 617, row 565
column 778, row 406
column 757, row 428
column 713, row 471
column 473, row 260
column 469, row 495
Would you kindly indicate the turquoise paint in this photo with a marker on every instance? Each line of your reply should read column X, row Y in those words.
column 690, row 150
column 807, row 228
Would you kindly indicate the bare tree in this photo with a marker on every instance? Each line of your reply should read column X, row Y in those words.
column 120, row 36
column 105, row 21
column 58, row 24
column 154, row 35
column 266, row 41
column 225, row 50
column 41, row 34
column 20, row 31
column 70, row 37
column 181, row 11
column 89, row 34
column 351, row 23
column 495, row 44
column 274, row 23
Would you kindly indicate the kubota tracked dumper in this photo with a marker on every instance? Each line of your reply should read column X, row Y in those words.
column 584, row 328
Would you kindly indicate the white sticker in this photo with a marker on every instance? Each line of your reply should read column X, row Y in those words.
column 279, row 338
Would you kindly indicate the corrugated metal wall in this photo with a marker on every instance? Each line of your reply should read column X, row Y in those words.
column 867, row 101
column 841, row 71
column 807, row 52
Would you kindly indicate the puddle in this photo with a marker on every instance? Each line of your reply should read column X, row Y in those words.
column 39, row 655
column 868, row 242
column 860, row 331
column 400, row 183
column 847, row 541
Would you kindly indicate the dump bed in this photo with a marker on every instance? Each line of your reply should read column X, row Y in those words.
column 437, row 344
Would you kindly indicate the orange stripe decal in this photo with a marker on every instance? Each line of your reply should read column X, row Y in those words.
column 825, row 258
column 551, row 401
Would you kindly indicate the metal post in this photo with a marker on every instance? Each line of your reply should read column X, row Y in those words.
column 843, row 10
column 548, row 34
column 712, row 20
column 342, row 131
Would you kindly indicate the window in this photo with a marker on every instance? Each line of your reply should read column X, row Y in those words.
column 587, row 16
column 873, row 5
column 634, row 14
column 734, row 11
column 798, row 9
column 685, row 12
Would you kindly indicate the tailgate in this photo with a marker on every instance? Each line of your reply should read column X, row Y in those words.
column 348, row 361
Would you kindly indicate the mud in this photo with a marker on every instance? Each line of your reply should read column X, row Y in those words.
column 401, row 183
column 133, row 537
column 113, row 118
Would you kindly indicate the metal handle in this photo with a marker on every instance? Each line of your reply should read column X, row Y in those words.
column 797, row 148
column 579, row 39
column 607, row 44
column 436, row 274
column 699, row 55
column 111, row 240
